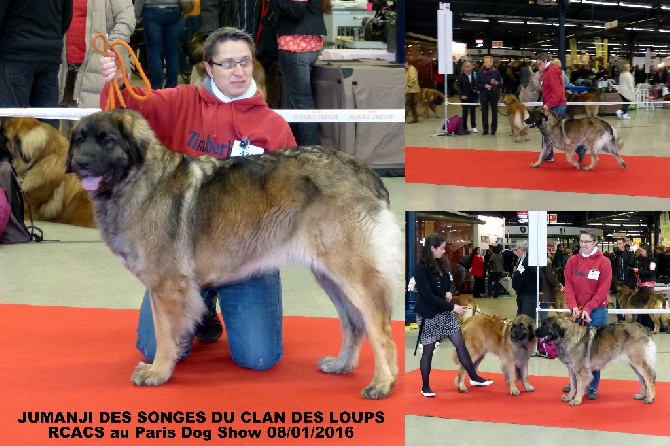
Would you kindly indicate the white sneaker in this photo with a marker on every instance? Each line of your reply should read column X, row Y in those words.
column 488, row 382
column 625, row 116
column 619, row 114
column 474, row 130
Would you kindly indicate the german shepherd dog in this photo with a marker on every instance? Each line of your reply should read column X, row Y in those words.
column 511, row 341
column 585, row 349
column 224, row 220
column 568, row 134
column 517, row 113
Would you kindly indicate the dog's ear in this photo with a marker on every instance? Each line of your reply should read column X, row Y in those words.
column 136, row 131
column 531, row 332
column 74, row 131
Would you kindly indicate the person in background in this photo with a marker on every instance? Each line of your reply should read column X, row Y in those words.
column 161, row 23
column 412, row 87
column 553, row 91
column 467, row 91
column 524, row 76
column 435, row 311
column 588, row 276
column 549, row 285
column 79, row 77
column 560, row 257
column 488, row 81
column 31, row 46
column 645, row 269
column 300, row 28
column 524, row 282
column 225, row 109
column 477, row 271
column 496, row 271
column 626, row 90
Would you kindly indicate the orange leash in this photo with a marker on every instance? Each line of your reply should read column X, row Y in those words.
column 577, row 317
column 115, row 90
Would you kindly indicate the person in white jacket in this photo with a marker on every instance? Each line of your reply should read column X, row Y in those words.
column 626, row 90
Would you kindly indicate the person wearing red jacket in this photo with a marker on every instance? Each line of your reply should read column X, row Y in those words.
column 553, row 95
column 588, row 276
column 477, row 271
column 213, row 119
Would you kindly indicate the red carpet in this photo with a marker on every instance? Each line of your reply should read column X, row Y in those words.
column 73, row 359
column 614, row 411
column 509, row 170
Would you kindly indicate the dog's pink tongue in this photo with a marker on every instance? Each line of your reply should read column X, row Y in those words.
column 91, row 183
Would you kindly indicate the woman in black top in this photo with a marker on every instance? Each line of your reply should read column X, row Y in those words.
column 435, row 311
column 645, row 271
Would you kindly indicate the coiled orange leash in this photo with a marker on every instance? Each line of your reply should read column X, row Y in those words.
column 115, row 90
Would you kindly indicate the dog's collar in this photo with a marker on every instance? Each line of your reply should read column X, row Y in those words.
column 21, row 177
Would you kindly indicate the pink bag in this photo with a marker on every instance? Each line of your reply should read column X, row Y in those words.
column 5, row 210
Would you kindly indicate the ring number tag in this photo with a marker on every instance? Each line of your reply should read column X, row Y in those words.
column 244, row 148
column 593, row 274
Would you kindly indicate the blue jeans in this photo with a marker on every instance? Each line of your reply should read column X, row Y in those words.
column 161, row 33
column 252, row 316
column 598, row 319
column 296, row 72
column 29, row 84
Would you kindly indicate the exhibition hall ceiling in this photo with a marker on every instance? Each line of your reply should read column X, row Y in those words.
column 533, row 24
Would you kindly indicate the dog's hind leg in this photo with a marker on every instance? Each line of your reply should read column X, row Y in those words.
column 353, row 328
column 364, row 306
column 594, row 160
column 176, row 306
column 543, row 154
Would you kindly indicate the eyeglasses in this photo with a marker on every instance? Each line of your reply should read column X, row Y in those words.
column 586, row 242
column 229, row 64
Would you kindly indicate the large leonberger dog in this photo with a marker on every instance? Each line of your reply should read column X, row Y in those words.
column 629, row 299
column 38, row 153
column 568, row 134
column 511, row 341
column 585, row 349
column 517, row 113
column 590, row 111
column 181, row 223
column 429, row 99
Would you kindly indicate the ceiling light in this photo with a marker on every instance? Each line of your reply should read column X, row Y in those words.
column 512, row 21
column 594, row 26
column 477, row 20
column 634, row 5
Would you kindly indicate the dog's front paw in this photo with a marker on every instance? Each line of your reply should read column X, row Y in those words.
column 377, row 390
column 575, row 402
column 328, row 364
column 514, row 392
column 534, row 164
column 148, row 375
column 566, row 398
column 529, row 388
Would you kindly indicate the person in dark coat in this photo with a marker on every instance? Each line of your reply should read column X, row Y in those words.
column 467, row 91
column 488, row 84
column 435, row 311
column 524, row 282
column 549, row 284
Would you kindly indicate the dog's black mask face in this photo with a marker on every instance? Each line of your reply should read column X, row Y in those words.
column 535, row 119
column 550, row 330
column 523, row 329
column 103, row 150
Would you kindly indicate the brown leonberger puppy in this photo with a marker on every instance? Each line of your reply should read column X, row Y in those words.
column 180, row 223
column 430, row 99
column 38, row 153
column 517, row 113
column 590, row 111
column 585, row 349
column 511, row 341
column 568, row 134
column 629, row 299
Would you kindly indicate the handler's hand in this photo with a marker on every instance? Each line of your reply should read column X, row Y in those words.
column 449, row 296
column 458, row 309
column 576, row 313
column 586, row 317
column 108, row 68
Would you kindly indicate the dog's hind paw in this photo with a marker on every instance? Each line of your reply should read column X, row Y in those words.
column 529, row 388
column 328, row 364
column 147, row 375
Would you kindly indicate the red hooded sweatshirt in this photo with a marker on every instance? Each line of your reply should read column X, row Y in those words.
column 587, row 281
column 553, row 90
column 191, row 120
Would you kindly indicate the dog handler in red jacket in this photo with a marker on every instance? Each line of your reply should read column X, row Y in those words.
column 588, row 276
column 214, row 119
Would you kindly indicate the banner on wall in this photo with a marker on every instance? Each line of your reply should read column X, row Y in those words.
column 445, row 31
